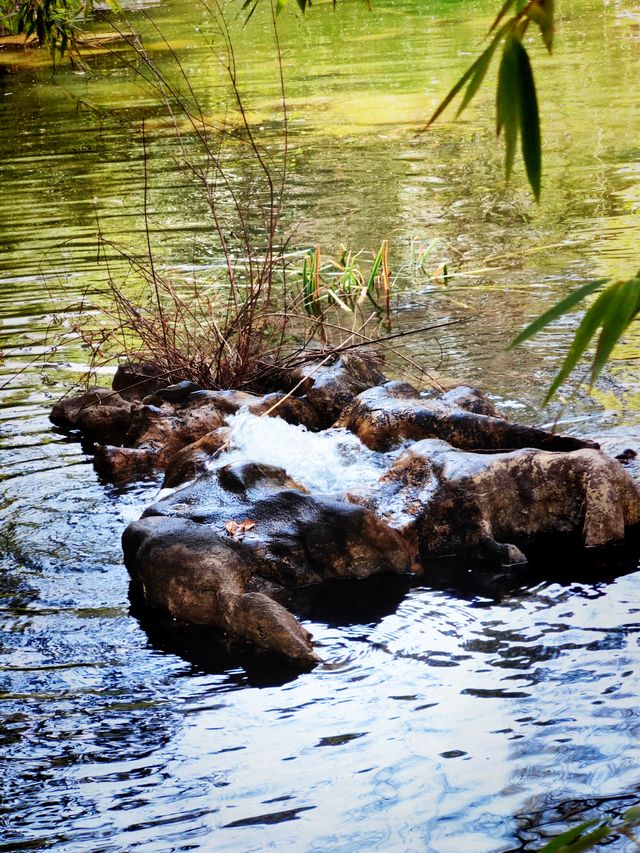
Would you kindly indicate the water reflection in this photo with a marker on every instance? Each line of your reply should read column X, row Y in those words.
column 464, row 712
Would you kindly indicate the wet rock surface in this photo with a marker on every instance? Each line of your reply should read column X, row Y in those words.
column 235, row 537
column 212, row 552
column 483, row 506
column 385, row 416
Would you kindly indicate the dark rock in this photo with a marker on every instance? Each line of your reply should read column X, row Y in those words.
column 488, row 506
column 227, row 402
column 193, row 459
column 123, row 464
column 382, row 420
column 184, row 561
column 179, row 568
column 229, row 548
column 154, row 438
column 100, row 414
column 332, row 386
column 136, row 380
column 470, row 399
column 294, row 410
column 177, row 393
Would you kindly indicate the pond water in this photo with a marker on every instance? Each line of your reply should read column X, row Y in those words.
column 466, row 713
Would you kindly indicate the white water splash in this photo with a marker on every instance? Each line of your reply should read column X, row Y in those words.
column 331, row 461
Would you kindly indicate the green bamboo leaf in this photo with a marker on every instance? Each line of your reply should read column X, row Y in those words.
column 280, row 4
column 457, row 88
column 542, row 13
column 588, row 842
column 528, row 118
column 556, row 311
column 586, row 330
column 622, row 308
column 480, row 66
column 508, row 99
column 561, row 841
column 302, row 5
column 249, row 3
column 632, row 815
column 503, row 11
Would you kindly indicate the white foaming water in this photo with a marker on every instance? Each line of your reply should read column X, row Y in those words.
column 331, row 461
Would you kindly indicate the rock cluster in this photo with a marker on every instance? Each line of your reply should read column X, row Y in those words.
column 232, row 540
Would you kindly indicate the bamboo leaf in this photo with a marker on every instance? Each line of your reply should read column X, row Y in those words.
column 507, row 100
column 503, row 11
column 280, row 4
column 586, row 330
column 561, row 841
column 622, row 308
column 302, row 5
column 480, row 66
column 473, row 76
column 528, row 117
column 588, row 842
column 632, row 815
column 542, row 13
column 556, row 311
column 457, row 88
column 249, row 3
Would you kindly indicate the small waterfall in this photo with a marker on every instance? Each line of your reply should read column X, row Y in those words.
column 331, row 461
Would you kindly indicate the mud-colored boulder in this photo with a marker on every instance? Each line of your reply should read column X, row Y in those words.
column 136, row 380
column 490, row 507
column 193, row 459
column 382, row 419
column 100, row 414
column 329, row 387
column 470, row 399
column 123, row 464
column 234, row 540
column 249, row 530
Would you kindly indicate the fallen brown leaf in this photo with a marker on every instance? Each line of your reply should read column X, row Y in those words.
column 237, row 529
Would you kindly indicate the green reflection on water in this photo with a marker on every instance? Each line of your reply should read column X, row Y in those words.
column 360, row 85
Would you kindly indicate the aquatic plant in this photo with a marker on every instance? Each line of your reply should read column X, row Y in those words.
column 254, row 312
column 346, row 284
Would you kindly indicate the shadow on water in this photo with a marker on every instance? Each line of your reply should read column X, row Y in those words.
column 348, row 603
column 558, row 560
column 541, row 823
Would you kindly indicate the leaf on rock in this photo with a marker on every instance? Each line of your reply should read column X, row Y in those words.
column 237, row 529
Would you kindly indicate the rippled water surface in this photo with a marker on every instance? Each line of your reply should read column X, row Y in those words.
column 467, row 713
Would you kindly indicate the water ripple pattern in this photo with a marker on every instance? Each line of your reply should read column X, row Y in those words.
column 457, row 714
